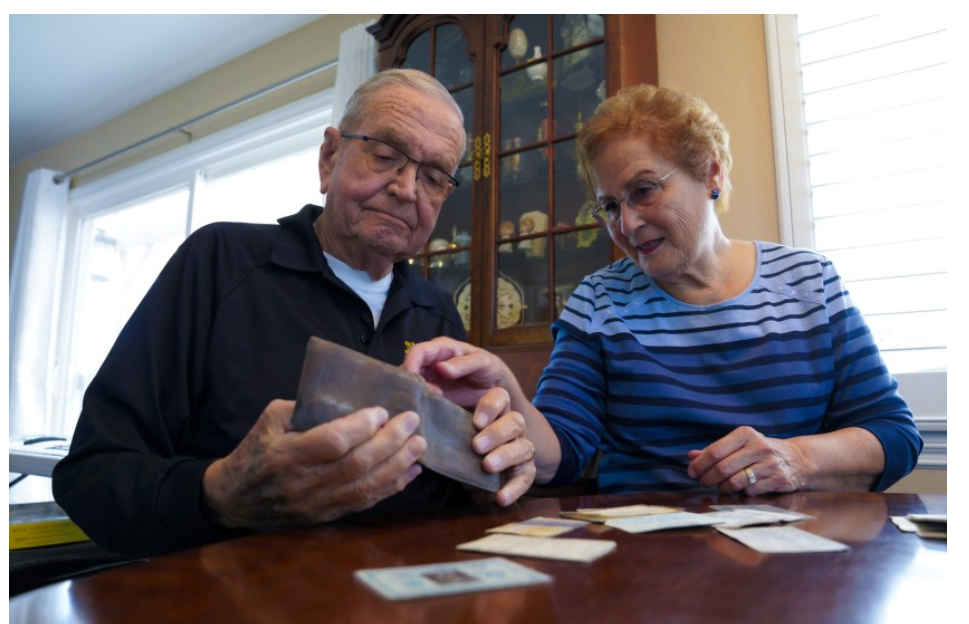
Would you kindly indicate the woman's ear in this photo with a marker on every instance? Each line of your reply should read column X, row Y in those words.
column 715, row 177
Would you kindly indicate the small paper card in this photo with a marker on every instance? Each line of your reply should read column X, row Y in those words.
column 442, row 579
column 782, row 515
column 662, row 522
column 607, row 513
column 782, row 539
column 563, row 549
column 540, row 527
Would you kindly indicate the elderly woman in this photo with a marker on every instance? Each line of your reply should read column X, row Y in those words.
column 698, row 361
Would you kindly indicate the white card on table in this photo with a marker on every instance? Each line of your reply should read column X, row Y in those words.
column 443, row 579
column 662, row 522
column 563, row 548
column 782, row 539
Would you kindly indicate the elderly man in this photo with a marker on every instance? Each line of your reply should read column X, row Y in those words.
column 171, row 450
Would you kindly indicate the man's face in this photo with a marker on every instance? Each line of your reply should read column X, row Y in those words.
column 375, row 219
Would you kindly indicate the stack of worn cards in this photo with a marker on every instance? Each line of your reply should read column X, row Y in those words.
column 540, row 527
column 538, row 537
column 737, row 516
column 662, row 522
column 730, row 516
column 610, row 513
column 932, row 526
column 562, row 549
column 442, row 579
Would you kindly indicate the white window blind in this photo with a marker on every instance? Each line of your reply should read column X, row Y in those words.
column 861, row 111
column 874, row 110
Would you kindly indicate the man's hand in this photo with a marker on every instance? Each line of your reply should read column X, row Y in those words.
column 278, row 476
column 503, row 443
column 480, row 380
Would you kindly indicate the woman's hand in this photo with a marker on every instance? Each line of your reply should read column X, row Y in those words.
column 747, row 461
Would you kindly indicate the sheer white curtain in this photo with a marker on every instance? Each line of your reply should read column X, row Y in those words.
column 358, row 61
column 36, row 266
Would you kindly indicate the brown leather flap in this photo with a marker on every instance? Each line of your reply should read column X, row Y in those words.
column 337, row 381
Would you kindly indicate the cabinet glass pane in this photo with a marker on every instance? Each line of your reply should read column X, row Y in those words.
column 454, row 223
column 573, row 30
column 451, row 271
column 523, row 190
column 451, row 64
column 580, row 85
column 522, row 285
column 419, row 53
column 417, row 264
column 465, row 100
column 569, row 198
column 524, row 105
column 525, row 32
column 578, row 254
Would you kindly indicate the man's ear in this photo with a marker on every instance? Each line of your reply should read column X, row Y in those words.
column 328, row 157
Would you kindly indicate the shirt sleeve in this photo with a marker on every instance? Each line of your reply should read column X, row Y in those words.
column 123, row 482
column 571, row 391
column 865, row 394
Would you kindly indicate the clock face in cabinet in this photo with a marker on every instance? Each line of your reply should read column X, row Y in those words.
column 509, row 306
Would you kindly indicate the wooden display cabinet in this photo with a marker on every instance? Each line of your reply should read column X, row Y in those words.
column 516, row 237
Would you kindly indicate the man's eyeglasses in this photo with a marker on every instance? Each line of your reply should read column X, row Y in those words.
column 641, row 195
column 385, row 158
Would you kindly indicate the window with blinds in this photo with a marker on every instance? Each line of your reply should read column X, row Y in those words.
column 860, row 105
column 874, row 103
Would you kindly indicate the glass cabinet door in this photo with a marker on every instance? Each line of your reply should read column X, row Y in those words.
column 442, row 51
column 553, row 75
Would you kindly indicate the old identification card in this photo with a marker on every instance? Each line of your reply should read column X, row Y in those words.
column 442, row 579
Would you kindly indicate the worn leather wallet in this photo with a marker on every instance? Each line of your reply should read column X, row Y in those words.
column 337, row 381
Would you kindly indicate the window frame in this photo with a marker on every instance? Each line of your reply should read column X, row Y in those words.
column 925, row 392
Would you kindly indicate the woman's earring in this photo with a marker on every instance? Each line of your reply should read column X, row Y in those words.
column 715, row 194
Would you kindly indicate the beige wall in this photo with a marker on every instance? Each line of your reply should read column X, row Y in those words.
column 723, row 59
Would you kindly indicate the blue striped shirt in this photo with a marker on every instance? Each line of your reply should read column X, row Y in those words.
column 645, row 378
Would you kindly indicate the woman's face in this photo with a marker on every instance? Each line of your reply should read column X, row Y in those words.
column 672, row 230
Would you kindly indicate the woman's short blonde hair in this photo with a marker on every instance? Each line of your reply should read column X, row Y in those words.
column 682, row 128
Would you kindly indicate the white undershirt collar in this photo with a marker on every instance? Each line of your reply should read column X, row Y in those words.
column 372, row 292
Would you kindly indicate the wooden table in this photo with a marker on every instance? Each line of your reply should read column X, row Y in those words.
column 689, row 575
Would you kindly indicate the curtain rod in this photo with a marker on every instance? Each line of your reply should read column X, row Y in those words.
column 212, row 113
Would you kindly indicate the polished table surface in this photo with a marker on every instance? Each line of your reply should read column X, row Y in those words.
column 686, row 575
